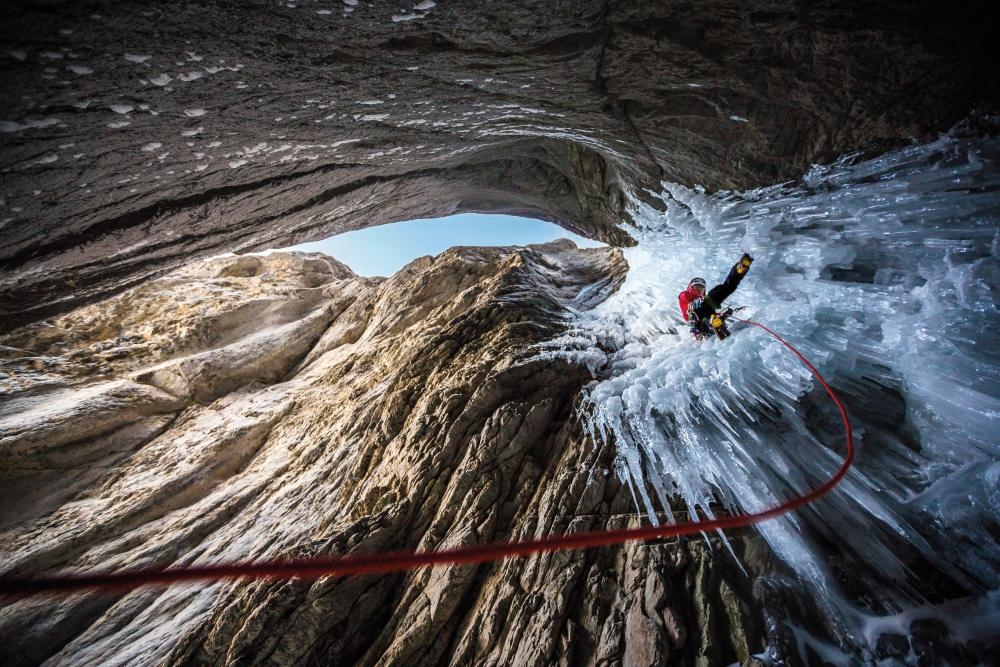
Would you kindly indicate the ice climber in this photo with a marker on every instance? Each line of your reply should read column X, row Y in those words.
column 697, row 307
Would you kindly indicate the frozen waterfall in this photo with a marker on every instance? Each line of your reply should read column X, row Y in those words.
column 884, row 272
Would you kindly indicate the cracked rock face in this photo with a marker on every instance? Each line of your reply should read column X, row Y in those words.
column 265, row 407
column 136, row 137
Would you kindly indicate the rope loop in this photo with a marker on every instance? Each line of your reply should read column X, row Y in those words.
column 399, row 561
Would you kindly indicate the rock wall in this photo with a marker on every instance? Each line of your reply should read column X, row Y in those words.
column 259, row 407
column 136, row 137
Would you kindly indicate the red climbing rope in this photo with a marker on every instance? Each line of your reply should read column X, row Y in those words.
column 397, row 561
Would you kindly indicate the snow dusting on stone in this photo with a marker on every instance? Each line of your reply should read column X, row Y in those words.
column 31, row 123
column 121, row 108
column 152, row 147
column 80, row 69
column 194, row 113
column 136, row 59
column 161, row 80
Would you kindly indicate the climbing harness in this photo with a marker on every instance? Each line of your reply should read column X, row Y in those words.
column 718, row 322
column 399, row 561
column 713, row 325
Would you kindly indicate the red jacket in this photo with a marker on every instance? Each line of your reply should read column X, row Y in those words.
column 686, row 299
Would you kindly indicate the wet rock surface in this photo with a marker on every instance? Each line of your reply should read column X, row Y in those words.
column 137, row 137
column 404, row 413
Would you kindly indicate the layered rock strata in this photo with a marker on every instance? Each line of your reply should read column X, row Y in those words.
column 262, row 407
column 138, row 137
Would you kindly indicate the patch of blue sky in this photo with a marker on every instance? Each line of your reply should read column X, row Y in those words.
column 383, row 250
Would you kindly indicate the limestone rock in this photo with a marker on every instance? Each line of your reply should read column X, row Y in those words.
column 419, row 415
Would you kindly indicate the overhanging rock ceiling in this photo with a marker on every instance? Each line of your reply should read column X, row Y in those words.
column 138, row 136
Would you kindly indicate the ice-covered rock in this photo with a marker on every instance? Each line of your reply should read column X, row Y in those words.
column 885, row 273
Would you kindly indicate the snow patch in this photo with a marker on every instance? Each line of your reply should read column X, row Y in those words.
column 152, row 146
column 136, row 58
column 161, row 80
column 194, row 113
column 121, row 108
column 80, row 69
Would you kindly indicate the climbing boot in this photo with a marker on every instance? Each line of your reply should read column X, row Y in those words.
column 743, row 265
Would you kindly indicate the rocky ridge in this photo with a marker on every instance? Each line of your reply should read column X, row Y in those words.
column 258, row 407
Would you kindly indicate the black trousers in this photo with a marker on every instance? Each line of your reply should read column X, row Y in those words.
column 719, row 293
